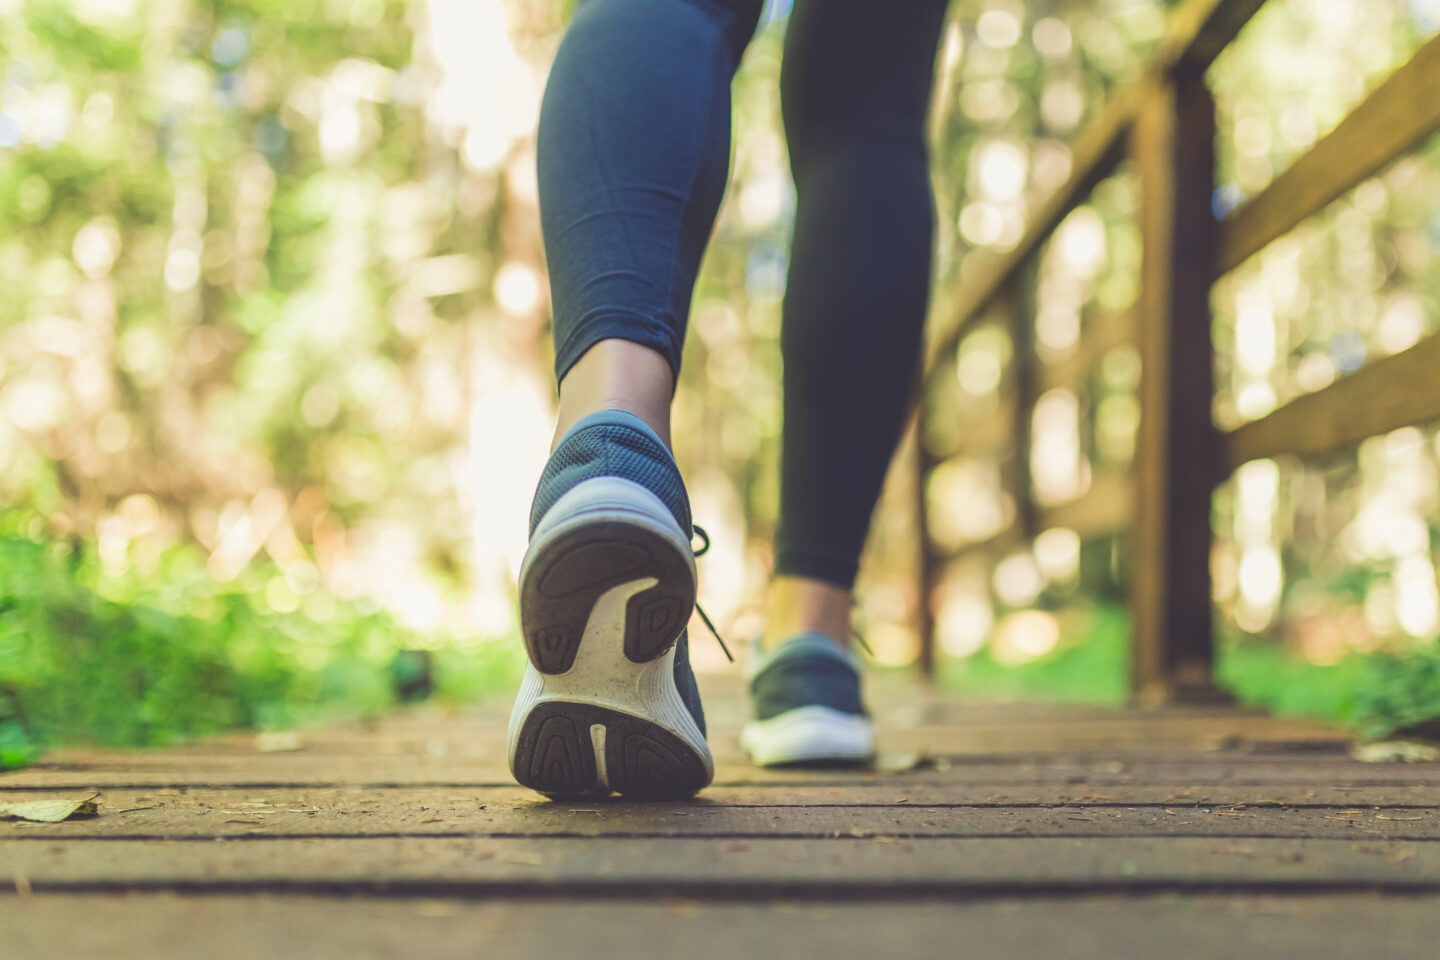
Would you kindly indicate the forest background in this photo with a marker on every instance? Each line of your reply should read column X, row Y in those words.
column 272, row 297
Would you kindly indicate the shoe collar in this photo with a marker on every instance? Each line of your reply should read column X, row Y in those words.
column 810, row 643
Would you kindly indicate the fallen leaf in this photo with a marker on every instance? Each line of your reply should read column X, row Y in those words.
column 51, row 811
column 1393, row 751
column 278, row 742
column 893, row 761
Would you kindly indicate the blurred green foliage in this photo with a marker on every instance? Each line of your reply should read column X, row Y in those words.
column 151, row 661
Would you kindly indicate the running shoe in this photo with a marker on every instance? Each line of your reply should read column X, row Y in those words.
column 608, row 701
column 806, row 698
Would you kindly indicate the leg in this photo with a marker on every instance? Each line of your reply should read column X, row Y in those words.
column 633, row 153
column 855, row 87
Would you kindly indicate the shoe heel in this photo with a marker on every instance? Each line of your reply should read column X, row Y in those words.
column 603, row 533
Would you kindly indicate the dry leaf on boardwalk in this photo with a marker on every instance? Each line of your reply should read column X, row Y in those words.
column 1393, row 751
column 278, row 742
column 50, row 811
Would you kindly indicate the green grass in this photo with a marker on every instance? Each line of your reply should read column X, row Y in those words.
column 1088, row 665
column 86, row 660
column 1373, row 694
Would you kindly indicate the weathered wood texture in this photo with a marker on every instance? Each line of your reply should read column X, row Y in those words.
column 1170, row 820
column 1395, row 391
column 1176, row 457
column 1397, row 117
column 1216, row 927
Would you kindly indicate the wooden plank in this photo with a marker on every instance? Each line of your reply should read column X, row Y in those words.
column 957, row 735
column 1400, row 390
column 1098, row 770
column 719, row 866
column 1106, row 508
column 888, row 794
column 298, row 814
column 1394, row 119
column 1176, row 446
column 228, row 927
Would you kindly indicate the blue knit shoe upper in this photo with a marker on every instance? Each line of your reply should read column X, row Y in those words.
column 616, row 443
column 807, row 706
column 807, row 670
column 612, row 443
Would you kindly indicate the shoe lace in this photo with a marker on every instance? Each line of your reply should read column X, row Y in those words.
column 705, row 617
column 860, row 639
column 699, row 531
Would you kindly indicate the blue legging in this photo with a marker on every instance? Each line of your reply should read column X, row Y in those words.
column 634, row 151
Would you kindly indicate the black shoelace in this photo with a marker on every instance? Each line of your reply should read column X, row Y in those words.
column 705, row 618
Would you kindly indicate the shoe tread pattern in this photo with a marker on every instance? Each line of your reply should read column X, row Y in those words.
column 554, row 754
column 564, row 581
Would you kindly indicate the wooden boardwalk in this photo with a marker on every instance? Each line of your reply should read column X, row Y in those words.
column 987, row 830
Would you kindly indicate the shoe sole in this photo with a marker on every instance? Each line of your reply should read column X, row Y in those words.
column 810, row 735
column 605, row 591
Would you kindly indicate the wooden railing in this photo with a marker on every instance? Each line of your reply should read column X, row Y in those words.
column 1164, row 123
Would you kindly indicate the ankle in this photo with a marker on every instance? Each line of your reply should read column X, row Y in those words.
column 617, row 375
column 803, row 605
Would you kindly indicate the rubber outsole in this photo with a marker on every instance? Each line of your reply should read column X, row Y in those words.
column 560, row 754
column 570, row 572
column 812, row 735
column 606, row 590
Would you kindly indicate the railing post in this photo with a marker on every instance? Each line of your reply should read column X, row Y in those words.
column 1019, row 300
column 922, row 464
column 1176, row 465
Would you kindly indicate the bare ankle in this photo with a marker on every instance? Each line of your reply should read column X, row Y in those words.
column 617, row 375
column 803, row 605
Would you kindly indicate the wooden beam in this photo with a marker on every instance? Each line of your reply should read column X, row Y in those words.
column 921, row 466
column 1196, row 33
column 990, row 437
column 1176, row 445
column 1397, row 117
column 1199, row 30
column 1020, row 403
column 1095, row 153
column 1100, row 333
column 1106, row 508
column 1393, row 392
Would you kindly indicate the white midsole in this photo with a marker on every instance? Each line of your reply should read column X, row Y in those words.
column 807, row 734
column 602, row 499
column 601, row 673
